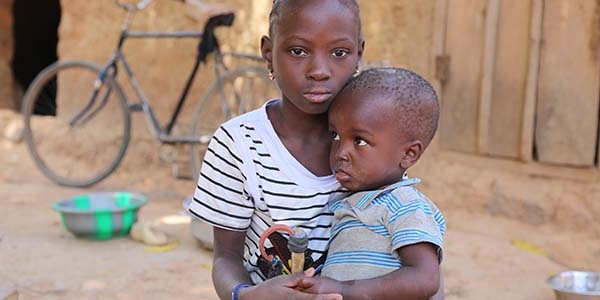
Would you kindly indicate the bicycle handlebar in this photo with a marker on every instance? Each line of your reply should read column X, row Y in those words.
column 142, row 4
column 130, row 7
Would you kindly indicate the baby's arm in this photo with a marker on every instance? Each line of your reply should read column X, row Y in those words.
column 419, row 278
column 422, row 270
column 440, row 292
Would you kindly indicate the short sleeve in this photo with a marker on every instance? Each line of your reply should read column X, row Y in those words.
column 220, row 197
column 416, row 221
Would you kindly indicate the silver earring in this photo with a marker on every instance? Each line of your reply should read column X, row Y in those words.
column 271, row 76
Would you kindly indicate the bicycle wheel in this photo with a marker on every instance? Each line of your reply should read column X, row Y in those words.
column 244, row 89
column 77, row 127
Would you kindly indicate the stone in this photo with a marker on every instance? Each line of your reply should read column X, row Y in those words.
column 14, row 131
column 93, row 285
column 8, row 294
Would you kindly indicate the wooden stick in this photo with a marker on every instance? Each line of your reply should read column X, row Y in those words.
column 487, row 79
column 532, row 81
column 438, row 51
column 298, row 243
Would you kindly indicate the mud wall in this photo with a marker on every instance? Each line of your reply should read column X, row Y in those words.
column 5, row 54
column 397, row 32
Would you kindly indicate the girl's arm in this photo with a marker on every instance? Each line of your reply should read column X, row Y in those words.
column 228, row 272
column 228, row 268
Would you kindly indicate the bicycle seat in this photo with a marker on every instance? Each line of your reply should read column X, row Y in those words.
column 225, row 19
column 209, row 42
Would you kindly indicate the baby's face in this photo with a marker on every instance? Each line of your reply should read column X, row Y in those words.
column 367, row 145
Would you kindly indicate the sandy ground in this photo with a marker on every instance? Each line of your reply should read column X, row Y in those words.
column 485, row 256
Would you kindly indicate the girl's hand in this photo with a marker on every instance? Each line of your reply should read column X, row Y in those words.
column 285, row 287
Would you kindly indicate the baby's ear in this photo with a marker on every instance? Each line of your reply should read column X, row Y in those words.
column 410, row 153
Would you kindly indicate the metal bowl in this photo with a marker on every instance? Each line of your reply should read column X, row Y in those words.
column 200, row 230
column 576, row 285
column 100, row 216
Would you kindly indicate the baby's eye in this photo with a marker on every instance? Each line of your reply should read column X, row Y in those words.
column 360, row 142
column 339, row 53
column 298, row 52
column 335, row 136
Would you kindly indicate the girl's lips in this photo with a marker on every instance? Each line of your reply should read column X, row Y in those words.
column 317, row 97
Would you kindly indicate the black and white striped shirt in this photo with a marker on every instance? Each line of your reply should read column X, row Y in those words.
column 249, row 181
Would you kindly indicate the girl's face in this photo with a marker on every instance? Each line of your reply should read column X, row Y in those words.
column 313, row 52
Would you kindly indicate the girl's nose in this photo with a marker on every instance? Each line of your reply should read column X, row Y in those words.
column 319, row 69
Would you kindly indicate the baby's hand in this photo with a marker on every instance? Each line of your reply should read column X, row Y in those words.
column 286, row 287
column 319, row 284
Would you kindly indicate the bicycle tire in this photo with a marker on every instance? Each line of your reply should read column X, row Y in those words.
column 244, row 88
column 82, row 154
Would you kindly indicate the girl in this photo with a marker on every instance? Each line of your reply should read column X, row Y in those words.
column 270, row 166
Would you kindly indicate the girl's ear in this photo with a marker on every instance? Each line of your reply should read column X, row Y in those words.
column 411, row 152
column 266, row 49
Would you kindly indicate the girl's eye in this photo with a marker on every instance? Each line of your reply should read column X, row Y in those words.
column 339, row 53
column 298, row 52
column 335, row 136
column 360, row 142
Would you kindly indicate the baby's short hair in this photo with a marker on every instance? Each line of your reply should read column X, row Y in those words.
column 418, row 107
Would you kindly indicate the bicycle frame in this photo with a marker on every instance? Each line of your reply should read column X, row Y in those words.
column 164, row 134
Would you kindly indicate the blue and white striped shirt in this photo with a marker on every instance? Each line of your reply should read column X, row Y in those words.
column 370, row 226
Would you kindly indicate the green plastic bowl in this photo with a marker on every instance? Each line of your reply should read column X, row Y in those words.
column 100, row 216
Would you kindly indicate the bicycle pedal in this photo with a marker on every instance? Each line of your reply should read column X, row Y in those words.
column 135, row 106
column 168, row 153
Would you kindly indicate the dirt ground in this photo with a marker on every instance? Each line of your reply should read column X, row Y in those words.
column 487, row 255
column 510, row 226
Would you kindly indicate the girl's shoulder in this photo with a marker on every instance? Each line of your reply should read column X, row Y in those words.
column 256, row 119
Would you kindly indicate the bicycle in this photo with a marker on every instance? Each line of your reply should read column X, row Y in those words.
column 81, row 137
